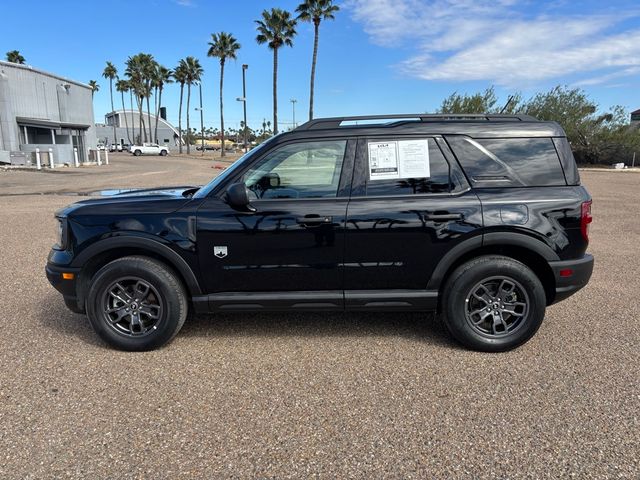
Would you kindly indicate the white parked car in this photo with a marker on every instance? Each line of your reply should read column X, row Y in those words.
column 149, row 149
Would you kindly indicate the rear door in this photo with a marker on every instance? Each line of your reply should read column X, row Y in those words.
column 410, row 205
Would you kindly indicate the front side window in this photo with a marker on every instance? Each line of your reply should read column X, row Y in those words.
column 298, row 170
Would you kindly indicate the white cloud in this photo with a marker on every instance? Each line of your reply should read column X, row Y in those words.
column 500, row 41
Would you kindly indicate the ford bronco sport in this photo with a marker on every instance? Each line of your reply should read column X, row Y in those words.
column 481, row 218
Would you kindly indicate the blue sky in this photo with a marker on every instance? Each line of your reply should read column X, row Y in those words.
column 378, row 56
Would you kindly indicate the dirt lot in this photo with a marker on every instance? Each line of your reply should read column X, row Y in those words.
column 326, row 395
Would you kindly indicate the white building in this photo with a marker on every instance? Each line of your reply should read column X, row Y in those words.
column 42, row 110
column 128, row 129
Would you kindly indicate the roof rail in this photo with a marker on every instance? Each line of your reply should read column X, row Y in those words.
column 335, row 122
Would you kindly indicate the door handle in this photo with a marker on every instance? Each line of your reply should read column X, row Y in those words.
column 443, row 217
column 314, row 221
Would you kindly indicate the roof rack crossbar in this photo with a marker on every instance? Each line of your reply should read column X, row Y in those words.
column 335, row 122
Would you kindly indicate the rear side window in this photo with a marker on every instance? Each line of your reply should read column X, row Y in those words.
column 438, row 180
column 509, row 162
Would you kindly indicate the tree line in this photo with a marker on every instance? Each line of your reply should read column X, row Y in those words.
column 146, row 78
column 596, row 137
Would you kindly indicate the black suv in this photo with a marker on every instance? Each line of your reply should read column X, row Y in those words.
column 481, row 218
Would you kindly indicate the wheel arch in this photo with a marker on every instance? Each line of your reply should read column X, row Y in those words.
column 531, row 252
column 100, row 253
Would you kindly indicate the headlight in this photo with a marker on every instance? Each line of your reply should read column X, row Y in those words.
column 61, row 233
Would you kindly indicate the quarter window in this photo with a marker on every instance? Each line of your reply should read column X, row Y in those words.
column 509, row 162
column 298, row 170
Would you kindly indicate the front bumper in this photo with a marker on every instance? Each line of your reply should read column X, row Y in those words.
column 66, row 287
column 571, row 276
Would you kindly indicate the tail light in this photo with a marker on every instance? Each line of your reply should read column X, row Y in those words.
column 585, row 219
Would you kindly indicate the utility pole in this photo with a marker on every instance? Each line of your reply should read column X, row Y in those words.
column 201, row 119
column 244, row 105
column 293, row 106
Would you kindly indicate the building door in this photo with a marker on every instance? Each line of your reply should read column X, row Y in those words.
column 77, row 137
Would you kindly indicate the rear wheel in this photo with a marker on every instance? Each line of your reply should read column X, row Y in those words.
column 493, row 303
column 137, row 153
column 136, row 303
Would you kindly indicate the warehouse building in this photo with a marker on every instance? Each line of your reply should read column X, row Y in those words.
column 40, row 110
column 128, row 131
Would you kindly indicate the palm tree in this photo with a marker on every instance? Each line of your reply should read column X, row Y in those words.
column 150, row 67
column 222, row 45
column 133, row 123
column 194, row 73
column 111, row 73
column 180, row 76
column 315, row 11
column 161, row 77
column 276, row 28
column 14, row 57
column 122, row 86
column 94, row 87
column 139, row 68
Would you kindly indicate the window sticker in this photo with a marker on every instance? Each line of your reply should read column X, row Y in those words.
column 399, row 159
column 414, row 158
column 383, row 160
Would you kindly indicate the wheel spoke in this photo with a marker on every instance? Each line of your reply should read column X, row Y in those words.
column 118, row 297
column 482, row 312
column 498, row 321
column 517, row 309
column 136, row 327
column 120, row 314
column 152, row 311
column 506, row 287
column 124, row 291
column 485, row 296
column 141, row 290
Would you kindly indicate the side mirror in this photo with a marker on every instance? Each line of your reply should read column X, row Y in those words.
column 238, row 197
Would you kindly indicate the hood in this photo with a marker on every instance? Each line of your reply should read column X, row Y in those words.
column 149, row 200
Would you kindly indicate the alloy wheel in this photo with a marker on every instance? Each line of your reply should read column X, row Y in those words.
column 497, row 306
column 132, row 307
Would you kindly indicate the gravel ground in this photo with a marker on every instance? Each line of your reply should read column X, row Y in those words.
column 315, row 395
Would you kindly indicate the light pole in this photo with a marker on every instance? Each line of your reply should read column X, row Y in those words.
column 293, row 106
column 243, row 99
column 201, row 118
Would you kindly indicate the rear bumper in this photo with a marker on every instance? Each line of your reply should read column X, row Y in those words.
column 66, row 287
column 571, row 276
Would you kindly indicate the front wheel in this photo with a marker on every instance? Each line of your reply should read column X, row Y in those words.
column 137, row 153
column 136, row 303
column 493, row 303
column 163, row 153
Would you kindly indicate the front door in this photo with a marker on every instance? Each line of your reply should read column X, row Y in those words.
column 293, row 243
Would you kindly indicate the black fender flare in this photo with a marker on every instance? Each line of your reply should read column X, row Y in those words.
column 488, row 239
column 148, row 244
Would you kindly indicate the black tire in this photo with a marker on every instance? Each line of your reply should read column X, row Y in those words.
column 163, row 153
column 137, row 153
column 166, row 301
column 475, row 323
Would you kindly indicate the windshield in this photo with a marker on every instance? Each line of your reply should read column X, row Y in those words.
column 208, row 188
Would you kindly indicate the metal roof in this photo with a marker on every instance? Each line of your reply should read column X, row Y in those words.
column 41, row 72
column 41, row 122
